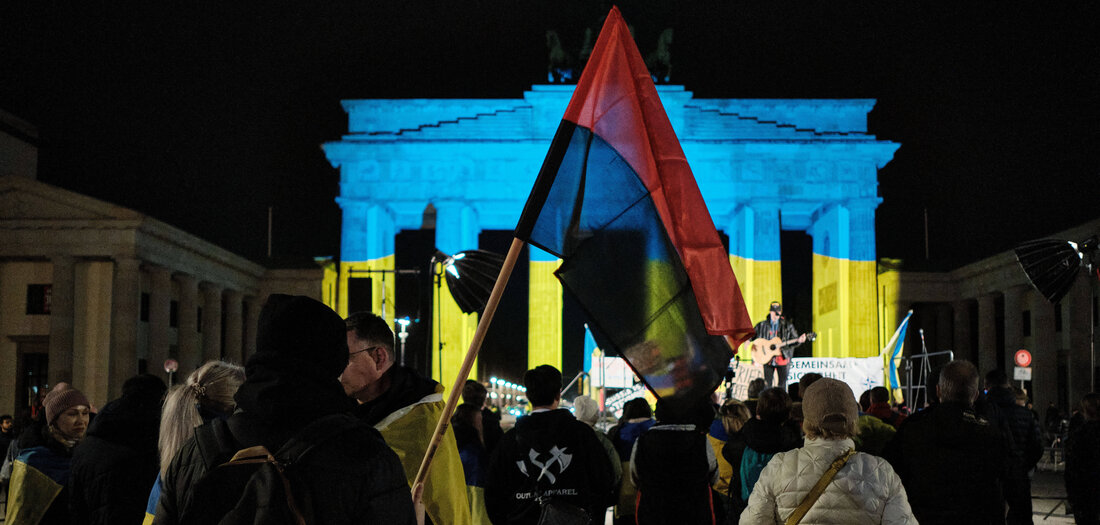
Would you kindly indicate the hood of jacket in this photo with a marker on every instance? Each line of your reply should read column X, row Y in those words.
column 769, row 437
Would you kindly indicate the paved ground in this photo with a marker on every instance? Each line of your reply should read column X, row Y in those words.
column 1048, row 493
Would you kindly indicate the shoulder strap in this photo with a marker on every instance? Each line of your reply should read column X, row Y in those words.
column 259, row 454
column 815, row 492
column 215, row 443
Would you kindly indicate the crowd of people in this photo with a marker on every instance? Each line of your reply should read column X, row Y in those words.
column 322, row 425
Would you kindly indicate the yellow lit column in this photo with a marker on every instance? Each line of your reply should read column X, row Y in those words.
column 844, row 273
column 367, row 248
column 544, row 321
column 755, row 257
column 456, row 229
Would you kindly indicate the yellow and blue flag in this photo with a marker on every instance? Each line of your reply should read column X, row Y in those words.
column 892, row 353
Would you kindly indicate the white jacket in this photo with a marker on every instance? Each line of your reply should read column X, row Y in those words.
column 866, row 490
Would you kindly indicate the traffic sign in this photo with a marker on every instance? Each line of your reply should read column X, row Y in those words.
column 1022, row 358
column 1021, row 373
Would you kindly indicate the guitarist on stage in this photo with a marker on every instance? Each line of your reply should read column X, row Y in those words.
column 776, row 326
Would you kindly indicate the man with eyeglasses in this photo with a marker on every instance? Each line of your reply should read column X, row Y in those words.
column 405, row 407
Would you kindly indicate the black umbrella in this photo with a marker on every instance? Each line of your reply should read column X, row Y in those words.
column 470, row 276
column 1052, row 265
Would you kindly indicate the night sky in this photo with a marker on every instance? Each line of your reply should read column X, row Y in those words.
column 205, row 114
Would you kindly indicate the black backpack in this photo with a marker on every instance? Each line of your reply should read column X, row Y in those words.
column 252, row 485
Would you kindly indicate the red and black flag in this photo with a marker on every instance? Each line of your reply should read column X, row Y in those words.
column 616, row 200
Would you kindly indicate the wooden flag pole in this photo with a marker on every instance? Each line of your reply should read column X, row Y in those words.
column 467, row 364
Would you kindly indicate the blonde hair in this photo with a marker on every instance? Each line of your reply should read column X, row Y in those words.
column 831, row 427
column 212, row 386
column 734, row 414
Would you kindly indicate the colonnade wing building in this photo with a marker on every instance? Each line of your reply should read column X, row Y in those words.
column 762, row 165
column 91, row 293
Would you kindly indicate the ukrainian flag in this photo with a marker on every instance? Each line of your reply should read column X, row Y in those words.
column 408, row 431
column 891, row 355
column 37, row 477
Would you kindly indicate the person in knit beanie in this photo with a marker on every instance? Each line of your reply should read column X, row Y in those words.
column 61, row 399
column 864, row 489
column 39, row 488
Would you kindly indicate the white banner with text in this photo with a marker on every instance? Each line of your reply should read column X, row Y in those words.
column 861, row 373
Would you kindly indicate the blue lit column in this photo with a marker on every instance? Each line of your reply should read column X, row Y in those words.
column 845, row 314
column 367, row 252
column 754, row 254
column 456, row 229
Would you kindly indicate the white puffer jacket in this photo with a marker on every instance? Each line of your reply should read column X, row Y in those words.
column 866, row 490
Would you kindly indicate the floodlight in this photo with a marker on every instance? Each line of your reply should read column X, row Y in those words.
column 470, row 275
column 1052, row 265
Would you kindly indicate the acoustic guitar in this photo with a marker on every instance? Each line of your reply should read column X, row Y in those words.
column 763, row 350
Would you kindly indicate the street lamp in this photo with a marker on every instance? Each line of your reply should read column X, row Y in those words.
column 403, row 334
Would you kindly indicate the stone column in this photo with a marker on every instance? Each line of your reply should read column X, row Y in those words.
column 456, row 229
column 160, row 304
column 251, row 323
column 945, row 332
column 755, row 255
column 62, row 300
column 961, row 323
column 987, row 333
column 211, row 321
column 1079, row 317
column 234, row 324
column 190, row 357
column 125, row 313
column 1044, row 355
column 1014, row 329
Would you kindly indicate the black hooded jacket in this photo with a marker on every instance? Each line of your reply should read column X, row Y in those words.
column 951, row 462
column 352, row 477
column 559, row 454
column 770, row 437
column 117, row 462
column 1026, row 443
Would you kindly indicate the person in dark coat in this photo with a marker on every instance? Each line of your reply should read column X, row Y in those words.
column 548, row 453
column 116, row 464
column 405, row 407
column 950, row 459
column 733, row 414
column 1025, row 443
column 476, row 394
column 674, row 467
column 637, row 417
column 7, row 431
column 1083, row 463
column 768, row 433
column 292, row 382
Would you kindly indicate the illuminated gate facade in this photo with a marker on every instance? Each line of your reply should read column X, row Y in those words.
column 763, row 165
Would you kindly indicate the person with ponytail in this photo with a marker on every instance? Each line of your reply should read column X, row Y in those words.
column 207, row 394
